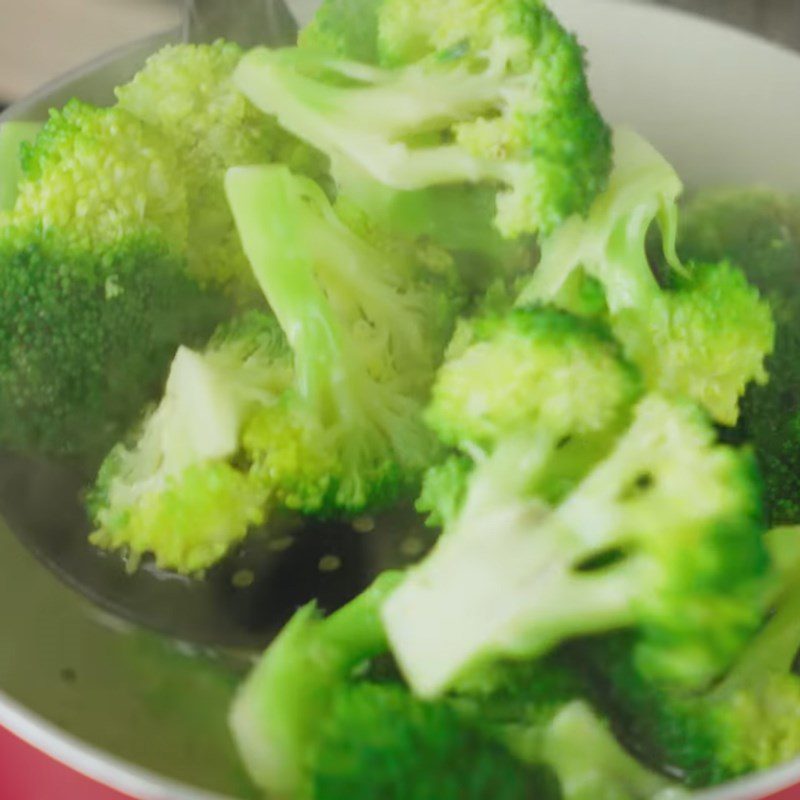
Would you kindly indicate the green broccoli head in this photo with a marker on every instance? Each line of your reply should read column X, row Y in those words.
column 707, row 341
column 177, row 492
column 87, row 335
column 366, row 327
column 746, row 722
column 102, row 175
column 380, row 741
column 759, row 232
column 186, row 95
column 449, row 93
column 277, row 717
column 706, row 337
column 662, row 536
column 549, row 370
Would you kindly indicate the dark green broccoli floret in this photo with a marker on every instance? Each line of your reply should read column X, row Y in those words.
column 379, row 741
column 102, row 175
column 749, row 721
column 706, row 335
column 451, row 92
column 86, row 336
column 367, row 327
column 280, row 710
column 663, row 536
column 759, row 231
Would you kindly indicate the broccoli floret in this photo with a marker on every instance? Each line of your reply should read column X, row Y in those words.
column 186, row 93
column 307, row 728
column 380, row 741
column 366, row 328
column 279, row 711
column 540, row 710
column 12, row 136
column 458, row 92
column 662, row 536
column 87, row 335
column 747, row 722
column 707, row 336
column 101, row 175
column 549, row 371
column 759, row 231
column 178, row 492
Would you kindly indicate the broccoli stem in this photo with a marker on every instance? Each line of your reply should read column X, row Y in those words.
column 610, row 244
column 271, row 219
column 772, row 651
column 12, row 136
column 514, row 593
column 591, row 764
column 397, row 104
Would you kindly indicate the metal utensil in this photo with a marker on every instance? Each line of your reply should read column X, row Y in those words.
column 246, row 598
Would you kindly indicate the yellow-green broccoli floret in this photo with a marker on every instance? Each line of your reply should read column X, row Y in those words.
column 277, row 716
column 758, row 231
column 87, row 334
column 533, row 368
column 706, row 336
column 185, row 92
column 662, row 536
column 100, row 175
column 454, row 92
column 178, row 492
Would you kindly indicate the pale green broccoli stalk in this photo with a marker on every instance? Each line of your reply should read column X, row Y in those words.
column 366, row 332
column 185, row 93
column 758, row 230
column 592, row 765
column 549, row 371
column 459, row 92
column 747, row 722
column 663, row 536
column 178, row 493
column 279, row 712
column 705, row 338
column 12, row 136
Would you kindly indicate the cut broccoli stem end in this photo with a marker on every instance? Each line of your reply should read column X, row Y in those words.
column 589, row 761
